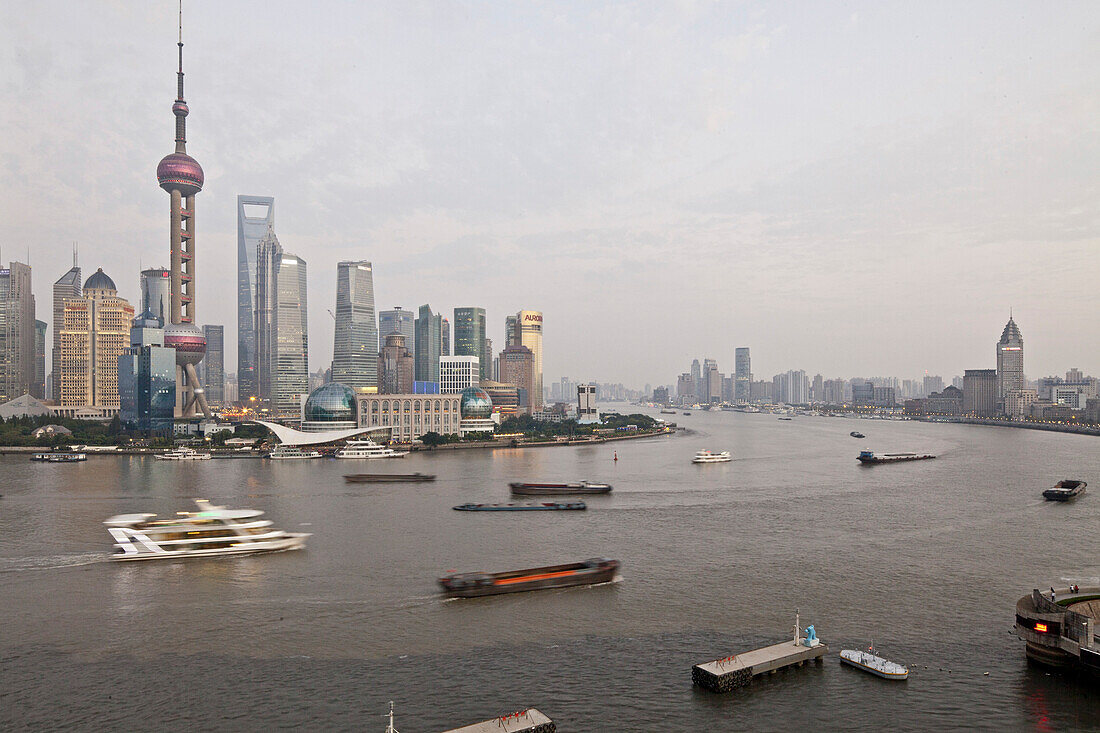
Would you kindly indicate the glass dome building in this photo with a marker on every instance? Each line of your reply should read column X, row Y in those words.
column 330, row 407
column 475, row 404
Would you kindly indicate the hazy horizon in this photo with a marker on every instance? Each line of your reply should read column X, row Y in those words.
column 848, row 189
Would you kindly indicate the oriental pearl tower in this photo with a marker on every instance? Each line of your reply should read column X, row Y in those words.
column 181, row 176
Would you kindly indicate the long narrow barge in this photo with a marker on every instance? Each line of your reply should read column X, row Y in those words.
column 551, row 489
column 543, row 506
column 872, row 457
column 364, row 478
column 472, row 585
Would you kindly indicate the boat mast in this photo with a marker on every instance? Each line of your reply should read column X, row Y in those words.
column 390, row 728
column 796, row 629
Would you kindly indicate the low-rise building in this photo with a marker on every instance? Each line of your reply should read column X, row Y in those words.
column 410, row 415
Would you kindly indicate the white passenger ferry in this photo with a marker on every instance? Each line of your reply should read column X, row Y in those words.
column 368, row 449
column 182, row 454
column 213, row 530
column 292, row 451
column 706, row 456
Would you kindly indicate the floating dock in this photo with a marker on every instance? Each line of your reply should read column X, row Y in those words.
column 737, row 670
column 525, row 721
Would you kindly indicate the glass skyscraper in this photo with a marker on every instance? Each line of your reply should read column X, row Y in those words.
column 147, row 377
column 355, row 345
column 400, row 321
column 255, row 216
column 429, row 344
column 742, row 375
column 470, row 337
column 290, row 369
column 213, row 364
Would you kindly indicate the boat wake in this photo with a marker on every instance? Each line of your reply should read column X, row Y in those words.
column 50, row 562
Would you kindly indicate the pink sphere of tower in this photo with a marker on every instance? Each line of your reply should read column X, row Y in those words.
column 188, row 341
column 179, row 171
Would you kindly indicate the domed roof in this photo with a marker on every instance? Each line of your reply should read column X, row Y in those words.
column 188, row 341
column 332, row 402
column 180, row 171
column 99, row 280
column 475, row 404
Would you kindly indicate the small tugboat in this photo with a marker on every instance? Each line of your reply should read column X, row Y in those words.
column 577, row 487
column 589, row 572
column 706, row 456
column 868, row 662
column 868, row 457
column 545, row 506
column 1065, row 490
column 857, row 434
column 368, row 478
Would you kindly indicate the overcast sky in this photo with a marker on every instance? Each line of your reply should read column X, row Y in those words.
column 846, row 188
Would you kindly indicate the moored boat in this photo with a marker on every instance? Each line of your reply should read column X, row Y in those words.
column 706, row 456
column 868, row 456
column 365, row 478
column 1065, row 490
column 550, row 489
column 868, row 662
column 545, row 506
column 182, row 454
column 286, row 452
column 368, row 449
column 213, row 530
column 60, row 457
column 471, row 585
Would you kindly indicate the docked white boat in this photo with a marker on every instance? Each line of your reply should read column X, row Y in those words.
column 292, row 451
column 212, row 530
column 706, row 456
column 182, row 454
column 868, row 662
column 368, row 449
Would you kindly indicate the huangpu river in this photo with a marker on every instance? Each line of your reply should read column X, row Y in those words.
column 925, row 559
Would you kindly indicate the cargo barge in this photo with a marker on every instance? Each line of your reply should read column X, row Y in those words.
column 364, row 478
column 544, row 506
column 577, row 487
column 1065, row 490
column 472, row 585
column 872, row 457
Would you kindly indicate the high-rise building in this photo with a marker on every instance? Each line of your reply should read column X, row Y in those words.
column 979, row 392
column 863, row 392
column 429, row 344
column 355, row 345
column 396, row 366
column 817, row 391
column 66, row 288
column 697, row 378
column 511, row 335
column 17, row 334
column 1010, row 361
column 517, row 366
column 398, row 320
column 445, row 337
column 269, row 254
column 156, row 293
column 529, row 333
column 255, row 217
column 95, row 330
column 932, row 384
column 213, row 366
column 470, row 337
column 487, row 358
column 147, row 376
column 38, row 388
column 291, row 366
column 181, row 176
column 587, row 413
column 685, row 389
column 457, row 373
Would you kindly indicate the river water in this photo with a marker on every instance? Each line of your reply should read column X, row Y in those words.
column 927, row 559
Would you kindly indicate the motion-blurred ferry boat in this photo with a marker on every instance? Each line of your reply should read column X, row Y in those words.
column 182, row 454
column 368, row 449
column 470, row 585
column 706, row 456
column 213, row 530
column 577, row 487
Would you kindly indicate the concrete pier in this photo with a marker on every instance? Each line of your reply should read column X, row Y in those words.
column 1061, row 633
column 525, row 721
column 723, row 675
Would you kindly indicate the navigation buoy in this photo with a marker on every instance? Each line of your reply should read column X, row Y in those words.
column 616, row 456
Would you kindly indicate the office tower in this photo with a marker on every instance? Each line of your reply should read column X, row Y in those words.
column 38, row 388
column 255, row 217
column 529, row 334
column 269, row 254
column 697, row 378
column 445, row 335
column 517, row 366
column 470, row 337
column 95, row 330
column 396, row 366
column 355, row 343
column 181, row 176
column 932, row 384
column 863, row 392
column 213, row 366
column 742, row 374
column 457, row 373
column 156, row 293
column 1010, row 361
column 147, row 376
column 817, row 392
column 587, row 413
column 17, row 333
column 660, row 395
column 66, row 287
column 685, row 389
column 429, row 344
column 714, row 385
column 487, row 358
column 511, row 335
column 290, row 344
column 398, row 320
column 980, row 392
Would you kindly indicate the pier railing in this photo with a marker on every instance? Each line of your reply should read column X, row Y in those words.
column 1075, row 626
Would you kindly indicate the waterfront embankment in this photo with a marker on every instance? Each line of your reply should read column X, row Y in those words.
column 1026, row 424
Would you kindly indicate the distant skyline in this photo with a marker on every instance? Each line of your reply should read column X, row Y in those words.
column 850, row 189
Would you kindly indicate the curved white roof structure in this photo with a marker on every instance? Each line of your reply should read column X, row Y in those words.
column 290, row 436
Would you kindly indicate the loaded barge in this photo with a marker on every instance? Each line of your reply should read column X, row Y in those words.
column 1065, row 490
column 365, row 478
column 869, row 457
column 472, row 585
column 544, row 506
column 577, row 487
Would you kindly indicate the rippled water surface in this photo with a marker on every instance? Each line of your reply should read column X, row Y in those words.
column 925, row 558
